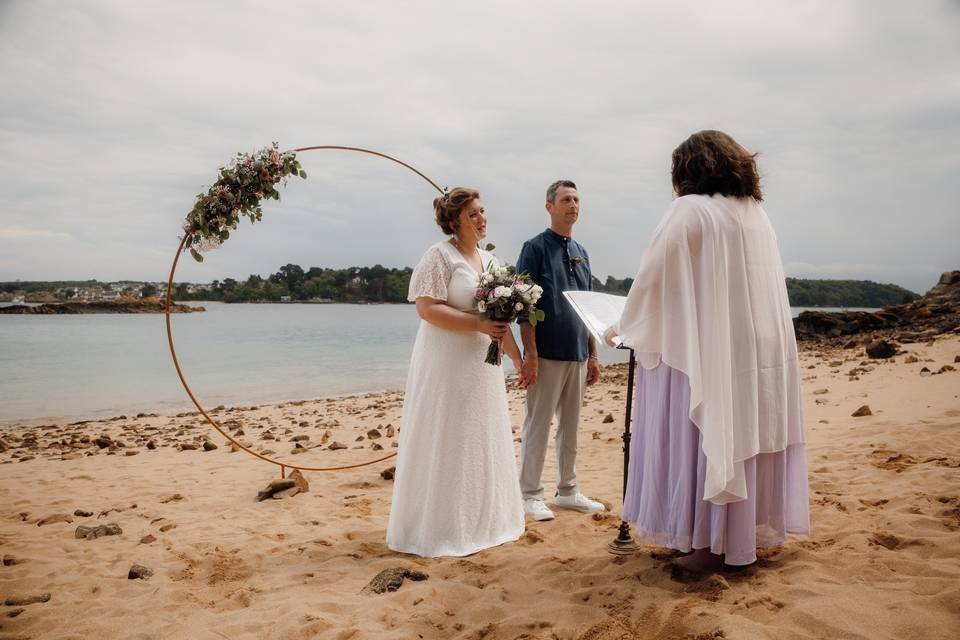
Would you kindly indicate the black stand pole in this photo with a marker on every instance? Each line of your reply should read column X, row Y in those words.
column 623, row 544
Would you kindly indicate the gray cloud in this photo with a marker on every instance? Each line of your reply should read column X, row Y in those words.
column 115, row 115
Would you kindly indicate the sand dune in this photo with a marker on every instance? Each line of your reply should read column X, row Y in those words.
column 883, row 560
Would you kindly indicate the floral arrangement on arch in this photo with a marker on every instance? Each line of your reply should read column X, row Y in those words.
column 241, row 185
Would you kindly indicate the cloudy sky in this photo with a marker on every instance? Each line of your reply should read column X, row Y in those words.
column 114, row 115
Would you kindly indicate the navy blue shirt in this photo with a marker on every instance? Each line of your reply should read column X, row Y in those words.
column 558, row 263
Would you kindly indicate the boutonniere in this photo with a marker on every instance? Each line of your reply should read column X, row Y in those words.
column 577, row 260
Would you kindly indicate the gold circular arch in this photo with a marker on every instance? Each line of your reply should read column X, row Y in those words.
column 173, row 351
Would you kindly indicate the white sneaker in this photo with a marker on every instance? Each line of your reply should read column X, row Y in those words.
column 579, row 502
column 537, row 509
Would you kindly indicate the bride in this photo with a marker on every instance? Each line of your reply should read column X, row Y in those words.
column 456, row 489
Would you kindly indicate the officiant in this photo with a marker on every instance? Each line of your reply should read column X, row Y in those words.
column 717, row 459
column 559, row 356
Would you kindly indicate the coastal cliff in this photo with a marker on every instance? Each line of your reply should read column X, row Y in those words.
column 936, row 312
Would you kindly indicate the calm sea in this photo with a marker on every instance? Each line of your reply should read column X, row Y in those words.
column 62, row 368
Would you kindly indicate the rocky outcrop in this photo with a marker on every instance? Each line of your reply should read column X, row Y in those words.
column 936, row 312
column 128, row 305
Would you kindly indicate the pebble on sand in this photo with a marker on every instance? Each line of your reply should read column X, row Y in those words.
column 391, row 579
column 881, row 349
column 22, row 600
column 138, row 571
column 90, row 533
column 862, row 411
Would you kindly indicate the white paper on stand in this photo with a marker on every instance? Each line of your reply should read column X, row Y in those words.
column 597, row 310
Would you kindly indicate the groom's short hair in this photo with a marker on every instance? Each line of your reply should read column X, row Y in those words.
column 552, row 189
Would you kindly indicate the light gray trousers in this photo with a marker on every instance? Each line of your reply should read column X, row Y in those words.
column 558, row 391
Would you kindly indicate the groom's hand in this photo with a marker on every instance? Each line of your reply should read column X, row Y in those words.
column 593, row 370
column 528, row 373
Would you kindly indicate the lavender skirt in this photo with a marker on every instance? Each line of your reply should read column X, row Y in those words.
column 666, row 474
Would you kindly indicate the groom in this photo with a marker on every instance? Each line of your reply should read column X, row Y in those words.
column 560, row 356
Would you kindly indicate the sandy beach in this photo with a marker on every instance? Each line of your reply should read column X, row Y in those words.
column 883, row 560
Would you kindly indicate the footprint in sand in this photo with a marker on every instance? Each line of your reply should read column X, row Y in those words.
column 532, row 536
column 891, row 542
column 762, row 602
column 225, row 566
column 654, row 622
column 892, row 460
column 816, row 545
column 829, row 501
column 950, row 515
column 357, row 507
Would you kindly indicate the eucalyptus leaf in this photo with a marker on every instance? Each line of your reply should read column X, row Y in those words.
column 196, row 255
column 490, row 246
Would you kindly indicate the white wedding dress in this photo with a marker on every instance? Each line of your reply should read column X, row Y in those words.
column 456, row 489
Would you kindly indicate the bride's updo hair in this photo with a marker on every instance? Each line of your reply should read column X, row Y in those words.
column 447, row 207
column 710, row 162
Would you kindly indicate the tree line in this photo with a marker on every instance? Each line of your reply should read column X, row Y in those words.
column 378, row 284
column 845, row 293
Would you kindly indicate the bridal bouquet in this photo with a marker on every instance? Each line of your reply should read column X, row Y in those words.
column 503, row 295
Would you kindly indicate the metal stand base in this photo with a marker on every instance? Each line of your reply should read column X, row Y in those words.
column 623, row 545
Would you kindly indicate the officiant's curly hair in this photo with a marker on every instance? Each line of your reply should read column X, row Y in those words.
column 710, row 162
column 447, row 207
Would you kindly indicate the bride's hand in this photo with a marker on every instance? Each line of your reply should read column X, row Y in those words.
column 493, row 328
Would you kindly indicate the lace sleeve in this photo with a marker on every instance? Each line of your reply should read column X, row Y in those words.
column 430, row 277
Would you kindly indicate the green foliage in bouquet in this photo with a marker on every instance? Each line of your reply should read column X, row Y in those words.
column 536, row 316
column 239, row 189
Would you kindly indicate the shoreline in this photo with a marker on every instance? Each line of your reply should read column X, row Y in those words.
column 186, row 409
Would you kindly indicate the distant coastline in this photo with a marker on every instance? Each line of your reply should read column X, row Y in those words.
column 381, row 285
column 122, row 305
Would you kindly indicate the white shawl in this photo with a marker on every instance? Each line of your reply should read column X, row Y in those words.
column 710, row 300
